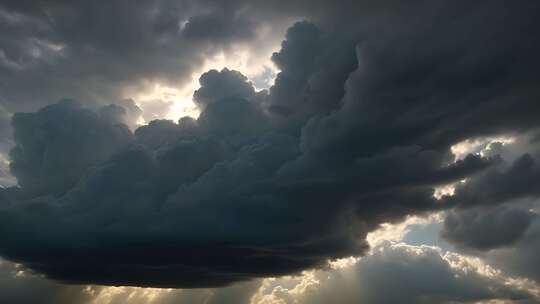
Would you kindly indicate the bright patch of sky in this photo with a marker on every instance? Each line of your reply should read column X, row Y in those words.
column 255, row 65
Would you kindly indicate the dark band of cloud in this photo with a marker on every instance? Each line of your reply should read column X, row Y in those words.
column 355, row 132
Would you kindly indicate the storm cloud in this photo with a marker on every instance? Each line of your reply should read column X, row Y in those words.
column 496, row 215
column 356, row 131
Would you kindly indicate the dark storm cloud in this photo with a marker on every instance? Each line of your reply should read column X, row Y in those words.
column 216, row 85
column 497, row 211
column 93, row 52
column 486, row 229
column 314, row 67
column 56, row 145
column 219, row 26
column 520, row 179
column 489, row 210
column 159, row 132
column 78, row 37
column 355, row 132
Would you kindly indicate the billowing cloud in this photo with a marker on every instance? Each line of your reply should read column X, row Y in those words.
column 487, row 229
column 508, row 239
column 408, row 269
column 399, row 273
column 55, row 146
column 218, row 85
column 356, row 131
column 105, row 52
column 314, row 67
column 497, row 211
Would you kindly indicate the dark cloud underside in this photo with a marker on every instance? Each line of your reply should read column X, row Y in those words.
column 355, row 132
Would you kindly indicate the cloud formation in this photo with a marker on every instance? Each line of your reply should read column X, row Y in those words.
column 487, row 229
column 356, row 131
column 101, row 53
column 398, row 273
column 497, row 211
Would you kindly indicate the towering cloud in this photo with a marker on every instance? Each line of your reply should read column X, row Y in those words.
column 356, row 131
column 99, row 52
column 55, row 146
column 223, row 84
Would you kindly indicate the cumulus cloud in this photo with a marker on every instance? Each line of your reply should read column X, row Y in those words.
column 55, row 146
column 497, row 211
column 506, row 237
column 399, row 273
column 105, row 52
column 216, row 85
column 501, row 184
column 356, row 131
column 314, row 66
column 487, row 229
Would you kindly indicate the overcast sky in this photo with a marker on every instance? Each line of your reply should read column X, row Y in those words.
column 269, row 152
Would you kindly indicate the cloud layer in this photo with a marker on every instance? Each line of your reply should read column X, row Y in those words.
column 356, row 131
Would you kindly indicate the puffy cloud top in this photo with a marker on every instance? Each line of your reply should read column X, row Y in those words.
column 356, row 131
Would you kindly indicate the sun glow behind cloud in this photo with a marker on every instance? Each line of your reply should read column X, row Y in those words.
column 256, row 66
column 478, row 145
column 242, row 60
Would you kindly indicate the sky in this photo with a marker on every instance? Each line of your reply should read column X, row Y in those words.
column 269, row 152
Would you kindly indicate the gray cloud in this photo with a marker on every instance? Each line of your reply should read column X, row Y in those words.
column 80, row 36
column 486, row 229
column 508, row 239
column 223, row 84
column 314, row 67
column 218, row 26
column 55, row 146
column 100, row 52
column 355, row 132
column 6, row 143
column 398, row 273
column 521, row 259
column 501, row 184
column 6, row 140
column 497, row 211
column 18, row 286
column 25, row 288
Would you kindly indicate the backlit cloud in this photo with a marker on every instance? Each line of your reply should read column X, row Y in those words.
column 271, row 151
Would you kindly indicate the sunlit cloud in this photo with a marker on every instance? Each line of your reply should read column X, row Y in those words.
column 396, row 232
column 255, row 64
column 347, row 179
column 6, row 179
column 478, row 145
